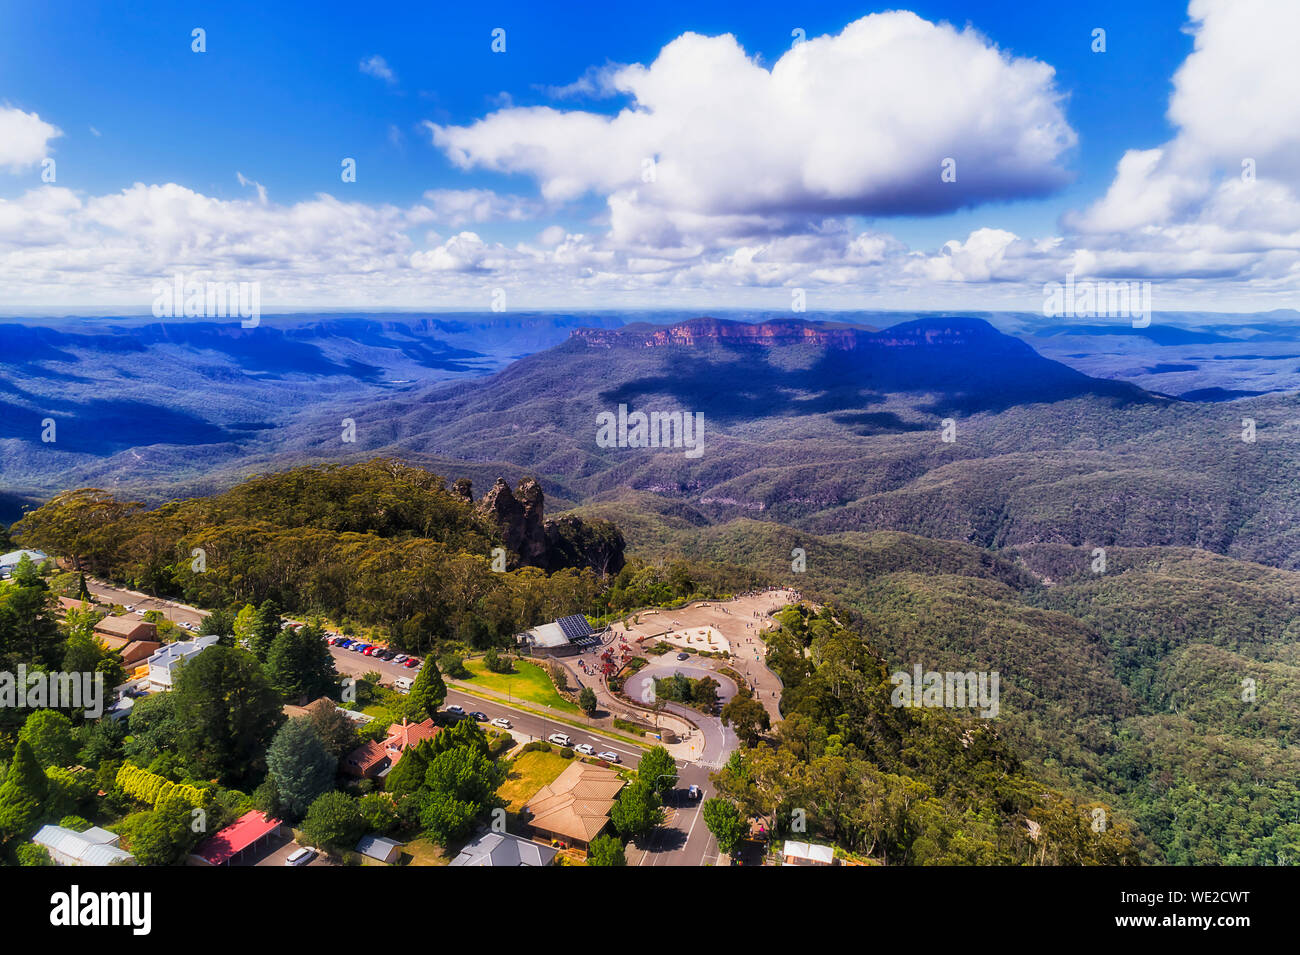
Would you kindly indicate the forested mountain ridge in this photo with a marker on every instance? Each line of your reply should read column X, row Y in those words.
column 382, row 543
column 945, row 429
column 1123, row 685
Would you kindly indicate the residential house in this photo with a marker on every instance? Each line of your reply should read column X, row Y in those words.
column 574, row 809
column 126, row 628
column 372, row 759
column 368, row 761
column 504, row 849
column 164, row 662
column 11, row 560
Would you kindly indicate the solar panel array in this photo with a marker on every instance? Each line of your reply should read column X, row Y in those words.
column 575, row 627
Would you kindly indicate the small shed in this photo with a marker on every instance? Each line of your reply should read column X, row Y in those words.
column 379, row 848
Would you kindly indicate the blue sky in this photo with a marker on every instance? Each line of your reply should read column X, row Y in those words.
column 279, row 97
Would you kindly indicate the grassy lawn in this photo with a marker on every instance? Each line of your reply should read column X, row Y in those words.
column 529, row 682
column 529, row 772
column 423, row 852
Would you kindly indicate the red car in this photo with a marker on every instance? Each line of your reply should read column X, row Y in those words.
column 368, row 651
column 413, row 662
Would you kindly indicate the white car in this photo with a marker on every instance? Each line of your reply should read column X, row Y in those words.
column 129, row 607
column 559, row 739
column 301, row 856
column 502, row 722
column 400, row 658
column 142, row 611
column 456, row 708
column 608, row 757
column 586, row 749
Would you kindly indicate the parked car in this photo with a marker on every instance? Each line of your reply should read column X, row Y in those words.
column 609, row 757
column 457, row 709
column 359, row 647
column 129, row 607
column 301, row 856
column 683, row 656
column 586, row 749
column 400, row 658
column 559, row 739
column 479, row 716
column 412, row 662
column 502, row 722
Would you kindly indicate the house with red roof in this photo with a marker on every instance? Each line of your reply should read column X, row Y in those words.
column 372, row 759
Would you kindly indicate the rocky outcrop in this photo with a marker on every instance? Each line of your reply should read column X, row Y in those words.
column 463, row 488
column 518, row 516
column 533, row 541
column 573, row 542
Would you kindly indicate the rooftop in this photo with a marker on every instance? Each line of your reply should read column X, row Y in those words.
column 504, row 849
column 824, row 855
column 12, row 558
column 577, row 803
column 95, row 846
column 175, row 652
column 220, row 848
column 125, row 627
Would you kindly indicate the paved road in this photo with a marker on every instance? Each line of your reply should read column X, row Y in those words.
column 170, row 609
column 684, row 839
column 523, row 723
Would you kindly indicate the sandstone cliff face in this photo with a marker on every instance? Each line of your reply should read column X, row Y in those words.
column 533, row 541
column 518, row 515
column 792, row 331
column 573, row 542
column 699, row 331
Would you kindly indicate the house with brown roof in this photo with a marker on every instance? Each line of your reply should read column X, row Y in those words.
column 134, row 640
column 574, row 809
column 128, row 628
column 292, row 710
column 374, row 759
column 73, row 603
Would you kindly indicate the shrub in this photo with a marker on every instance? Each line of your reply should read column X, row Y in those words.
column 566, row 753
column 29, row 853
column 144, row 786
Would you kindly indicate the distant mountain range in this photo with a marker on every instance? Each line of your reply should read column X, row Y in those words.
column 833, row 428
column 826, row 425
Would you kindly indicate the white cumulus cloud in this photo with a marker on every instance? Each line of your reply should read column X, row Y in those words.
column 714, row 146
column 24, row 138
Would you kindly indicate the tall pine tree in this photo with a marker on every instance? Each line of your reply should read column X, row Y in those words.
column 428, row 691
